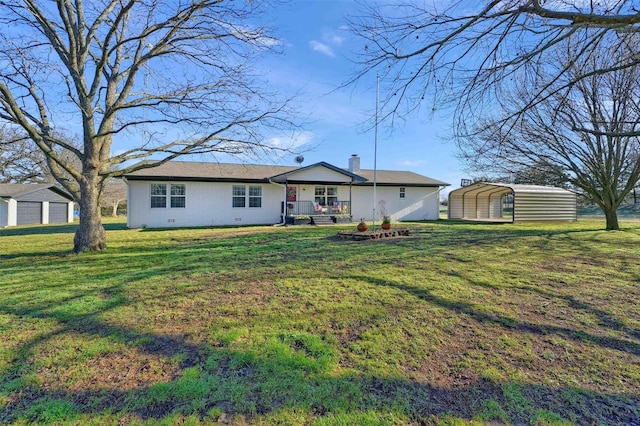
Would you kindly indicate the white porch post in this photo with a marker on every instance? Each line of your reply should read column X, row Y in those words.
column 350, row 199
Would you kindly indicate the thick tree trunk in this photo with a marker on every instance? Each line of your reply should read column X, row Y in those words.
column 90, row 235
column 114, row 209
column 611, row 214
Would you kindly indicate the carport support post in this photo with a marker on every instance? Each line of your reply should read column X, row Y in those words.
column 513, row 206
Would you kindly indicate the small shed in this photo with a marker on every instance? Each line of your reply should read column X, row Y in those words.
column 512, row 203
column 32, row 204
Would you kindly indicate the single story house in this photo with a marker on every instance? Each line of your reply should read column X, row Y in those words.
column 31, row 204
column 512, row 202
column 179, row 193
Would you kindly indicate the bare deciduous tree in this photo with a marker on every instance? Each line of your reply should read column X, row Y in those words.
column 21, row 161
column 470, row 53
column 583, row 133
column 542, row 173
column 177, row 72
column 113, row 194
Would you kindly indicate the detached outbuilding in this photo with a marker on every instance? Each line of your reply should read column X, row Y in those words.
column 34, row 204
column 512, row 202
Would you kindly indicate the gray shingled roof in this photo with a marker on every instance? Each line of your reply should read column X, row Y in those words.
column 228, row 172
column 399, row 178
column 12, row 190
column 209, row 171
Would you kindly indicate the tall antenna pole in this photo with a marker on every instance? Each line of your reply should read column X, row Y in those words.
column 147, row 72
column 375, row 152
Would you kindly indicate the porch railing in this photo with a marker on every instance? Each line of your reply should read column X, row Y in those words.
column 309, row 208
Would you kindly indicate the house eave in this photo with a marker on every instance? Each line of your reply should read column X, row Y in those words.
column 194, row 179
column 408, row 185
column 272, row 180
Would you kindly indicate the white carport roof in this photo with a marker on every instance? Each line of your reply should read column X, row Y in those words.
column 505, row 188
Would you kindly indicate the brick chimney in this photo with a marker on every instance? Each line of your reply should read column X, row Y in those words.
column 354, row 164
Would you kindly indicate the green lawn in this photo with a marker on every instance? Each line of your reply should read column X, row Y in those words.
column 456, row 324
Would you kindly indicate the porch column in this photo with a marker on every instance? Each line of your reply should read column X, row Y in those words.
column 350, row 200
column 284, row 202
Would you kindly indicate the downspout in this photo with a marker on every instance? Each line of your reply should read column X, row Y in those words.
column 440, row 188
column 284, row 203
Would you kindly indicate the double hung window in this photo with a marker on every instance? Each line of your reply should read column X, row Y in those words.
column 158, row 195
column 255, row 196
column 326, row 195
column 239, row 196
column 243, row 198
column 177, row 195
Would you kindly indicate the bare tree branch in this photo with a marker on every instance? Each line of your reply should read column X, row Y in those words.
column 469, row 54
column 20, row 160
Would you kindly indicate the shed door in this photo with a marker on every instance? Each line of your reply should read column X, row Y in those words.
column 57, row 212
column 29, row 213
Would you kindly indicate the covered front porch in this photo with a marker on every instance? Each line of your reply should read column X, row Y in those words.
column 318, row 194
column 309, row 212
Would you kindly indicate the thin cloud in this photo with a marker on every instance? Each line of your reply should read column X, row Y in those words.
column 296, row 140
column 332, row 38
column 316, row 46
column 413, row 163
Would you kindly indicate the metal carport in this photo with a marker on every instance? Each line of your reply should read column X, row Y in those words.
column 486, row 201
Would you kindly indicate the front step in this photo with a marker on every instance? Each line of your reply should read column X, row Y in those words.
column 321, row 220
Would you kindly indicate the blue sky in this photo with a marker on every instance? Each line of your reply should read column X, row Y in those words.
column 316, row 59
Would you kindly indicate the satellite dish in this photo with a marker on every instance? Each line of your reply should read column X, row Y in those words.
column 299, row 159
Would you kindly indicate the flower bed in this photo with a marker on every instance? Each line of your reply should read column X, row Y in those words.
column 373, row 234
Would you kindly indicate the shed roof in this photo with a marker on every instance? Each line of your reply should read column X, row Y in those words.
column 14, row 190
column 206, row 171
